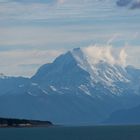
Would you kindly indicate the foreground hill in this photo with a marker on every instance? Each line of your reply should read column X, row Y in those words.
column 6, row 122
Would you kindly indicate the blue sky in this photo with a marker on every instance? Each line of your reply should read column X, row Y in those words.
column 34, row 32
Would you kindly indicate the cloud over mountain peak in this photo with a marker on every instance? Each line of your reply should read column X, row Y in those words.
column 106, row 53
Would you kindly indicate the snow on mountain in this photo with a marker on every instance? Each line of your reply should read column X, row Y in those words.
column 102, row 66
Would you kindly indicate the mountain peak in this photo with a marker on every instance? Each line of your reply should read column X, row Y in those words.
column 62, row 72
column 100, row 62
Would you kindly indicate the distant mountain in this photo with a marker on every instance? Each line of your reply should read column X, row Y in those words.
column 75, row 89
column 125, row 116
column 9, row 84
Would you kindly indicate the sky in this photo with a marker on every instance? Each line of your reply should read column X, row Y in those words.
column 35, row 32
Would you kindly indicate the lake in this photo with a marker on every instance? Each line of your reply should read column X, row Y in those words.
column 72, row 133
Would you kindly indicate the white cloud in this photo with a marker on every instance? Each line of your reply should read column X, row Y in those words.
column 126, row 55
column 113, row 38
column 43, row 36
column 106, row 53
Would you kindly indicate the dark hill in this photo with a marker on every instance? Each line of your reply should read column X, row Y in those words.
column 6, row 122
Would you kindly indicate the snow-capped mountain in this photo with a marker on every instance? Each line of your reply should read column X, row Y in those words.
column 77, row 69
column 82, row 86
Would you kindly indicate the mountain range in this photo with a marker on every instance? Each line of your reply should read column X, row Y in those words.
column 77, row 88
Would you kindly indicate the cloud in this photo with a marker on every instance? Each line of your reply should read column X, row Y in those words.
column 113, row 38
column 43, row 24
column 123, row 2
column 123, row 56
column 107, row 54
column 46, row 36
column 4, row 1
column 136, row 5
column 34, row 1
column 132, row 4
column 24, row 10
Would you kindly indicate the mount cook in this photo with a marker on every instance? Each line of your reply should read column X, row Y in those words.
column 77, row 88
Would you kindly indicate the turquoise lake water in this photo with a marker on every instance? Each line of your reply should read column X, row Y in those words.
column 72, row 133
